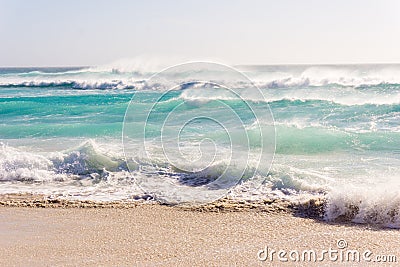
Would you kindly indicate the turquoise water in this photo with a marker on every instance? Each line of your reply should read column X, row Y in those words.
column 62, row 115
column 337, row 132
column 303, row 126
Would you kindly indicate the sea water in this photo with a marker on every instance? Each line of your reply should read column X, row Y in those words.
column 337, row 135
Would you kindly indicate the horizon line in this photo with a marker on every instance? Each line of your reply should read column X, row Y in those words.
column 236, row 65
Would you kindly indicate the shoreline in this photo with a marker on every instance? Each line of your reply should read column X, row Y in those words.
column 312, row 208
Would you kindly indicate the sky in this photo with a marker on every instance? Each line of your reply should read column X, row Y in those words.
column 96, row 32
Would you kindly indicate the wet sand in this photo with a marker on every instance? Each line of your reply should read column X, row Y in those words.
column 156, row 235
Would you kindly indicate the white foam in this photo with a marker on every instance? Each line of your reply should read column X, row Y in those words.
column 24, row 166
column 376, row 205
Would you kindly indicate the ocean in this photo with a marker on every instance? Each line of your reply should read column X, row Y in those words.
column 189, row 134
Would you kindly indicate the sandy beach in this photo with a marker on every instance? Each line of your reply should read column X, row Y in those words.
column 156, row 235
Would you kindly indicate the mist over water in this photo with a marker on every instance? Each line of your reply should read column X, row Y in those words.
column 337, row 133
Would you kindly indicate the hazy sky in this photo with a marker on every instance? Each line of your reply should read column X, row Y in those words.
column 60, row 33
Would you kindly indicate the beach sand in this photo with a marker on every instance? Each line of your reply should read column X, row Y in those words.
column 157, row 235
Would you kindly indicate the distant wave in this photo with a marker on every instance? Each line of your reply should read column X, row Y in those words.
column 340, row 96
column 132, row 76
column 138, row 84
column 381, row 94
column 84, row 85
